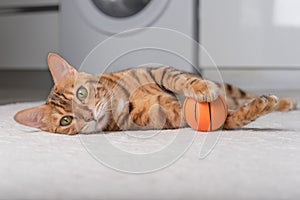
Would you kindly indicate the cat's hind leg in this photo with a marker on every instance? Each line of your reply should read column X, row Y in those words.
column 249, row 112
column 236, row 98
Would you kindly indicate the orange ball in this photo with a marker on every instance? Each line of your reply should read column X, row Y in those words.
column 204, row 116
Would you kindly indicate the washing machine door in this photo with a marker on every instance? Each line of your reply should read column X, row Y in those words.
column 114, row 16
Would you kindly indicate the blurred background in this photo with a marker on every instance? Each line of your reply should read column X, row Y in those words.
column 254, row 43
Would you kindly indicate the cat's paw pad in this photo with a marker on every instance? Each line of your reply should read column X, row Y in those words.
column 204, row 91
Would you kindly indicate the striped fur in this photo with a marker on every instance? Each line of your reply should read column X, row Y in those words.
column 136, row 99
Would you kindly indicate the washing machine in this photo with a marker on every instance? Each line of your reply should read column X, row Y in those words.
column 84, row 24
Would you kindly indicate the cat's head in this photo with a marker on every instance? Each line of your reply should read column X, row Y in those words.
column 76, row 103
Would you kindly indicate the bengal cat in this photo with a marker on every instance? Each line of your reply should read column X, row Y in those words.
column 138, row 98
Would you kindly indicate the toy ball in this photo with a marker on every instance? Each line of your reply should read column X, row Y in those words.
column 205, row 116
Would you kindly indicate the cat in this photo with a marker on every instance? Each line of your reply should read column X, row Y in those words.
column 136, row 99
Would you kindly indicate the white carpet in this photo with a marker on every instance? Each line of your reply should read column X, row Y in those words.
column 262, row 161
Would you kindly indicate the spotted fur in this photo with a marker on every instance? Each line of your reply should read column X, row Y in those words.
column 136, row 99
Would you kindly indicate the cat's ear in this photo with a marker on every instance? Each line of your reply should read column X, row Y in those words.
column 59, row 68
column 32, row 117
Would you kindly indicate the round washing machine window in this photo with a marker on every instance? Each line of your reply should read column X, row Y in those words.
column 115, row 16
column 120, row 8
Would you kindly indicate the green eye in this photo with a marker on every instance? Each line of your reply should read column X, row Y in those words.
column 66, row 120
column 82, row 93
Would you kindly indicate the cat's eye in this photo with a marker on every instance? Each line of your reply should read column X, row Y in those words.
column 66, row 120
column 82, row 93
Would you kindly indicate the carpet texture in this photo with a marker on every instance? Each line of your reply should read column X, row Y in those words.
column 260, row 161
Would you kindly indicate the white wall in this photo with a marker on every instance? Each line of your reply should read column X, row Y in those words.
column 26, row 38
column 253, row 41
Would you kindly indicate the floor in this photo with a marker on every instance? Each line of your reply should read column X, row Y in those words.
column 260, row 161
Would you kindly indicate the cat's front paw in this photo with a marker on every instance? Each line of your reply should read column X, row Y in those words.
column 203, row 90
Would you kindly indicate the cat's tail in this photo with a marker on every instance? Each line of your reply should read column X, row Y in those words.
column 286, row 104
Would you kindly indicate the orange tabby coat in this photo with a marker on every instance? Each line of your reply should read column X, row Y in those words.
column 138, row 98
